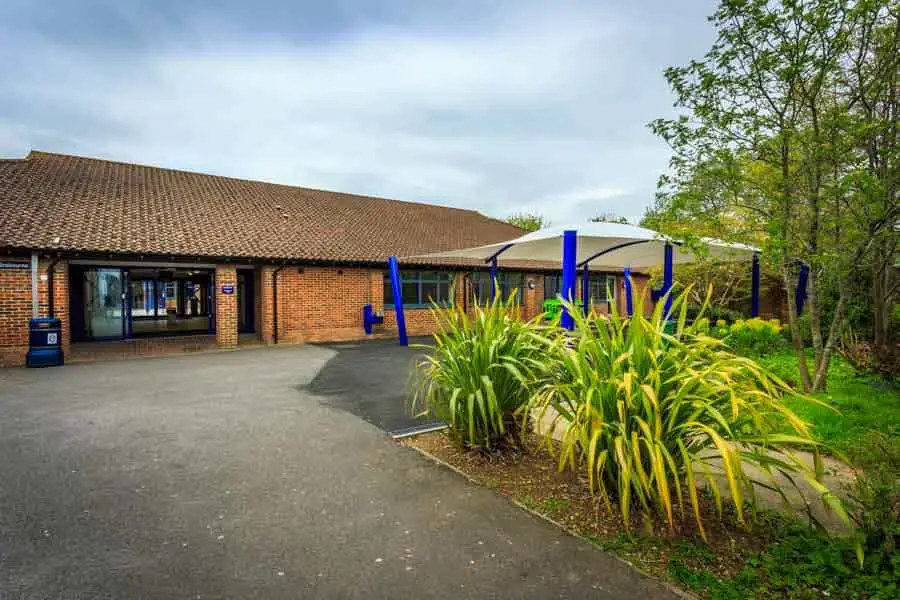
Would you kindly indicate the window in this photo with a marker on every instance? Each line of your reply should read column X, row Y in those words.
column 420, row 288
column 552, row 286
column 601, row 285
column 506, row 281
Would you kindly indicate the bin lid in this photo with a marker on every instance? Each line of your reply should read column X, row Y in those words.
column 44, row 322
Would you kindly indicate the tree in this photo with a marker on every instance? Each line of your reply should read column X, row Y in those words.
column 609, row 218
column 873, row 103
column 765, row 140
column 527, row 221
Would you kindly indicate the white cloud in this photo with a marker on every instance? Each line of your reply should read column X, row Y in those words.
column 527, row 113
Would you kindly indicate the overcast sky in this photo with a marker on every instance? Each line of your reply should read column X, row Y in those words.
column 501, row 106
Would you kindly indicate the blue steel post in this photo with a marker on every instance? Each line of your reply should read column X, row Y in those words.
column 629, row 301
column 800, row 296
column 570, row 249
column 668, row 277
column 493, row 278
column 585, row 289
column 394, row 268
column 754, row 288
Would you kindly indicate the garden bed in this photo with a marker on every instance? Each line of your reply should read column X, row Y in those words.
column 735, row 563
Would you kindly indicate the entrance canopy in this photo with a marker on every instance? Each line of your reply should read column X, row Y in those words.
column 612, row 245
column 593, row 245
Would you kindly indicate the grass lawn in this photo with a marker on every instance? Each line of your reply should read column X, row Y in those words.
column 862, row 403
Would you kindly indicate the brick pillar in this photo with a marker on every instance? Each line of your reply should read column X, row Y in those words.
column 61, row 302
column 266, row 306
column 532, row 299
column 226, row 307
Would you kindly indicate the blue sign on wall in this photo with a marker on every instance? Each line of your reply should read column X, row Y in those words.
column 227, row 288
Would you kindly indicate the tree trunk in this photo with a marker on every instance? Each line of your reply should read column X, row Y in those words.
column 815, row 315
column 882, row 293
column 796, row 339
column 821, row 381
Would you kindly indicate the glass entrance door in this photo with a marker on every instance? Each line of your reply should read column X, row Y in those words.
column 104, row 303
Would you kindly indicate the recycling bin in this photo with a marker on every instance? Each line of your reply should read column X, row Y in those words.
column 44, row 342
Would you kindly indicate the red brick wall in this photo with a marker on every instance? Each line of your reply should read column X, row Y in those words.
column 15, row 307
column 15, row 310
column 318, row 303
column 314, row 304
column 226, row 307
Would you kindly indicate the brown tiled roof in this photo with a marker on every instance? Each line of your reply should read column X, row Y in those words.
column 69, row 203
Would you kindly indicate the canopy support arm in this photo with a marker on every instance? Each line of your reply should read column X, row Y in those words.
column 613, row 249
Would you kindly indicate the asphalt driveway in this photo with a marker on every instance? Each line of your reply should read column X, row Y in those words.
column 223, row 476
column 371, row 379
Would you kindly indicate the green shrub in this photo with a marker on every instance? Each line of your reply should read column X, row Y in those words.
column 713, row 313
column 755, row 337
column 648, row 415
column 472, row 379
column 875, row 499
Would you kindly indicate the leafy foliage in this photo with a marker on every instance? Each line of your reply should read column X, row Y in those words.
column 875, row 499
column 755, row 337
column 649, row 415
column 472, row 378
column 528, row 221
column 801, row 563
column 788, row 138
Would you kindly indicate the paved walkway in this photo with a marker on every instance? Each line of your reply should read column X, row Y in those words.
column 222, row 476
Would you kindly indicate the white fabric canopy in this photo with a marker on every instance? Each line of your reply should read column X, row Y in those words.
column 621, row 245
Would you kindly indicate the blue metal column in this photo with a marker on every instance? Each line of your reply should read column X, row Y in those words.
column 570, row 250
column 754, row 288
column 394, row 268
column 586, row 289
column 629, row 301
column 668, row 276
column 800, row 297
column 493, row 278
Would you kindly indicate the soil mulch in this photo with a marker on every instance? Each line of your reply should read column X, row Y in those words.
column 530, row 477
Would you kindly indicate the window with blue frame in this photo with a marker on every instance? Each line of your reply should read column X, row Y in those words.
column 420, row 288
column 507, row 281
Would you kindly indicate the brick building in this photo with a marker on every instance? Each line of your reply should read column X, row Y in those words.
column 129, row 253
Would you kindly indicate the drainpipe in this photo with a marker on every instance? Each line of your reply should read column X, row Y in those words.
column 275, row 303
column 51, row 305
column 35, row 305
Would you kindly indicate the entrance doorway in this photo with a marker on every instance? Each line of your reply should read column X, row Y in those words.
column 246, row 300
column 115, row 303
